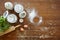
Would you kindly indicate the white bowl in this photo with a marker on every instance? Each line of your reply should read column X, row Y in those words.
column 12, row 18
column 5, row 14
column 21, row 20
column 8, row 5
column 18, row 8
column 22, row 14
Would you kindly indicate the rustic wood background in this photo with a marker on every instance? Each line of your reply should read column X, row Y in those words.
column 50, row 12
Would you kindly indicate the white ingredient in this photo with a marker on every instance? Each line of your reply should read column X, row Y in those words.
column 32, row 14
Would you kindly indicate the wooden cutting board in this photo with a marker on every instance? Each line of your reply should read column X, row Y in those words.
column 48, row 9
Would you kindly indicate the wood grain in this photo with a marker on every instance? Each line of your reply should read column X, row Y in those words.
column 50, row 12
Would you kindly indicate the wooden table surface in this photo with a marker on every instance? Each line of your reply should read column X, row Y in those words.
column 50, row 12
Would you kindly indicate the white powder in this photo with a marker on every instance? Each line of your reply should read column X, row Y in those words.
column 32, row 14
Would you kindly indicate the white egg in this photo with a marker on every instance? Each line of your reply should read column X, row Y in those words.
column 22, row 14
column 8, row 5
column 18, row 8
column 12, row 18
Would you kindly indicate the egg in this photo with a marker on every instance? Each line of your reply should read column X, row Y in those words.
column 25, row 26
column 8, row 5
column 12, row 18
column 18, row 8
column 21, row 29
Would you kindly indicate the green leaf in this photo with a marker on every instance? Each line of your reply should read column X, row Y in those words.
column 4, row 25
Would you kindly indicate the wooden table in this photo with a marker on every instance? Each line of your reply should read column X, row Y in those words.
column 50, row 12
